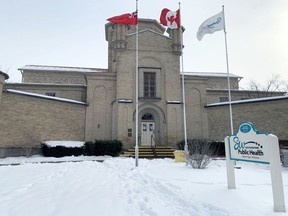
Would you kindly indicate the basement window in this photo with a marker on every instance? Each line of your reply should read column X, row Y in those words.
column 51, row 94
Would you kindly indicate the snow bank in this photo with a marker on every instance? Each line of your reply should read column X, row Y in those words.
column 67, row 144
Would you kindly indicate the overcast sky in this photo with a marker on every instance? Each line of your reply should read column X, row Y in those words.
column 72, row 33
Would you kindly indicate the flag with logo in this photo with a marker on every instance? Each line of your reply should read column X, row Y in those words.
column 212, row 24
column 125, row 19
column 169, row 18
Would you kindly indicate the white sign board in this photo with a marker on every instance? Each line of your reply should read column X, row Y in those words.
column 250, row 145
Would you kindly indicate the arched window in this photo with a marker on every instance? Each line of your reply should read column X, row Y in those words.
column 148, row 117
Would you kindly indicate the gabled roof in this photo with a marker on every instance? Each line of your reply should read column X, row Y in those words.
column 149, row 30
column 62, row 68
column 143, row 24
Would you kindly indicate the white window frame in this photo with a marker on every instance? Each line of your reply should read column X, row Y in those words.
column 157, row 72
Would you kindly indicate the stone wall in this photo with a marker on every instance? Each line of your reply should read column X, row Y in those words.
column 32, row 76
column 26, row 121
column 3, row 77
column 73, row 92
column 214, row 95
column 100, row 97
column 267, row 116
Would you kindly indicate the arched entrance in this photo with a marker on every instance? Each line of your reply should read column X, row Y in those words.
column 150, row 113
column 147, row 130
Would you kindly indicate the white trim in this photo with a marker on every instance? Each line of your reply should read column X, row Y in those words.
column 45, row 97
column 211, row 74
column 249, row 101
column 125, row 101
column 61, row 68
column 173, row 102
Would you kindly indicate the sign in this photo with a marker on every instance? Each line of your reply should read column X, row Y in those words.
column 249, row 145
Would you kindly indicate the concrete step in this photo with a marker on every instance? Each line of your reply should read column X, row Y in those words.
column 148, row 152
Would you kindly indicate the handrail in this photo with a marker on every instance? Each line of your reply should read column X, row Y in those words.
column 153, row 147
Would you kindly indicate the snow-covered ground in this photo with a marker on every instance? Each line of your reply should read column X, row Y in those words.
column 157, row 187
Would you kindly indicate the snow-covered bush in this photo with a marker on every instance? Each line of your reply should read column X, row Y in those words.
column 201, row 152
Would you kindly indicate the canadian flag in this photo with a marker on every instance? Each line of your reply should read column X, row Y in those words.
column 169, row 18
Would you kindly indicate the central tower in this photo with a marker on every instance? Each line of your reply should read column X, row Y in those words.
column 160, row 99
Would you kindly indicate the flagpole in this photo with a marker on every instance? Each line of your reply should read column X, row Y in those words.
column 228, row 76
column 136, row 94
column 183, row 88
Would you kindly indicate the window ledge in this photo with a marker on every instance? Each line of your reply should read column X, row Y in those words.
column 155, row 99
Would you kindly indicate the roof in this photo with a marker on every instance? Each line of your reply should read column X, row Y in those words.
column 45, row 96
column 211, row 74
column 148, row 30
column 62, row 68
column 249, row 101
column 142, row 25
column 102, row 70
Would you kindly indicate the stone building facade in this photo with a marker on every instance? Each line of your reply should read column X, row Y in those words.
column 70, row 103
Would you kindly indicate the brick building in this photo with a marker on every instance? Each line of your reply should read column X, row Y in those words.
column 70, row 103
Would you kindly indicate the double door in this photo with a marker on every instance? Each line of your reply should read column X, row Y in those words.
column 147, row 133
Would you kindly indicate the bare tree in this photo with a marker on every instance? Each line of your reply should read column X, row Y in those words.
column 268, row 89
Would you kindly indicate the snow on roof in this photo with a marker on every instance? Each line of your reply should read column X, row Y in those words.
column 46, row 84
column 70, row 144
column 45, row 96
column 249, row 101
column 62, row 68
column 211, row 74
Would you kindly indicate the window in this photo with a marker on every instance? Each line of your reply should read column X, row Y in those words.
column 223, row 99
column 129, row 132
column 51, row 94
column 149, row 84
column 148, row 117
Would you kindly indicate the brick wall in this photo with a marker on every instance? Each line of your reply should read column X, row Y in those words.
column 73, row 92
column 267, row 116
column 25, row 121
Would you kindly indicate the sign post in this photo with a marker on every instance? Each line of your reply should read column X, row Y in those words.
column 250, row 145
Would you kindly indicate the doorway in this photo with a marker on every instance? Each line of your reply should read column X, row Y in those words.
column 147, row 133
column 147, row 130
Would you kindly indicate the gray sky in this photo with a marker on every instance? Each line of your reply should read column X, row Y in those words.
column 72, row 33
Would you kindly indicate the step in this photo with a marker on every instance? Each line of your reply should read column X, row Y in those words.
column 157, row 147
column 148, row 152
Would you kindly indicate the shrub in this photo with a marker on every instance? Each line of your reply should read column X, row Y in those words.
column 103, row 147
column 201, row 152
column 61, row 151
column 89, row 148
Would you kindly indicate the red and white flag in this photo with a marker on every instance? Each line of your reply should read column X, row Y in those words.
column 126, row 19
column 169, row 18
